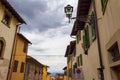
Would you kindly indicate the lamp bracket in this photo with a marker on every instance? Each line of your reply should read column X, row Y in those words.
column 88, row 19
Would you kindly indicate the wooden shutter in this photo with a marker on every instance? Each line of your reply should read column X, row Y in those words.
column 87, row 41
column 22, row 67
column 80, row 59
column 93, row 26
column 104, row 3
column 78, row 36
column 25, row 47
column 15, row 66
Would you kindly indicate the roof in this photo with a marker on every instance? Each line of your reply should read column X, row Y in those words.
column 23, row 37
column 82, row 10
column 31, row 59
column 12, row 10
column 45, row 65
column 70, row 48
column 65, row 68
column 67, row 51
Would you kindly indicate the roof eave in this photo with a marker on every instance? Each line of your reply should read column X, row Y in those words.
column 12, row 10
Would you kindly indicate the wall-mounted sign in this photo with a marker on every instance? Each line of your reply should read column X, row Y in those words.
column 78, row 71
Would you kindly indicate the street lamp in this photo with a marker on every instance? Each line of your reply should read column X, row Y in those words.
column 86, row 18
column 68, row 10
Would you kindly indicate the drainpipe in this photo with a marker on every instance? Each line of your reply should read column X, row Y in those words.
column 98, row 42
column 12, row 54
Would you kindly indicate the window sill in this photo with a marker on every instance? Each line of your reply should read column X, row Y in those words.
column 6, row 24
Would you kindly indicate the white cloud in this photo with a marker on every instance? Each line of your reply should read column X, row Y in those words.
column 47, row 28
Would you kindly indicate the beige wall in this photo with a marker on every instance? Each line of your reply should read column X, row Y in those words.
column 109, row 25
column 8, row 35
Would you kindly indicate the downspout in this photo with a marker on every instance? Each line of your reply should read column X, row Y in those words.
column 98, row 42
column 12, row 54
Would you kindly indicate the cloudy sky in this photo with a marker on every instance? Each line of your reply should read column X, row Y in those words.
column 47, row 28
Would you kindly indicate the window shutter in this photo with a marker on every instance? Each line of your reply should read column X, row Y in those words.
column 74, row 51
column 78, row 36
column 80, row 58
column 87, row 41
column 93, row 26
column 15, row 66
column 104, row 3
column 78, row 61
column 22, row 67
column 25, row 47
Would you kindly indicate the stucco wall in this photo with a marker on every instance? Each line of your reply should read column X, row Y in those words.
column 109, row 24
column 8, row 35
column 20, row 56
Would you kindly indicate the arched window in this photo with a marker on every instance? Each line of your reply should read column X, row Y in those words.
column 1, row 48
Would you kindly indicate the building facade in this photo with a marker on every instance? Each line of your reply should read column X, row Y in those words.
column 18, row 63
column 48, row 76
column 9, row 23
column 59, row 76
column 34, row 69
column 70, row 54
column 44, row 76
column 65, row 73
column 97, row 41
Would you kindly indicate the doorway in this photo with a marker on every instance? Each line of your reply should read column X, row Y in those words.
column 117, row 71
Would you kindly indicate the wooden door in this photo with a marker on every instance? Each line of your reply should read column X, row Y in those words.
column 118, row 74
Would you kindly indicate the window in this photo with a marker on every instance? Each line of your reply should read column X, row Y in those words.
column 22, row 67
column 25, row 47
column 114, row 51
column 104, row 4
column 80, row 59
column 35, row 72
column 93, row 26
column 74, row 51
column 87, row 41
column 6, row 19
column 1, row 48
column 78, row 36
column 15, row 66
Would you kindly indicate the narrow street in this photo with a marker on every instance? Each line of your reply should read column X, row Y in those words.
column 59, row 40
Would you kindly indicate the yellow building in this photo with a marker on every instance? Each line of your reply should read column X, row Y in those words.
column 59, row 76
column 44, row 76
column 70, row 52
column 48, row 76
column 65, row 73
column 19, row 58
column 9, row 23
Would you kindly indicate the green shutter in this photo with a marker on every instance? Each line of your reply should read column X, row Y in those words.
column 78, row 61
column 74, row 51
column 104, row 4
column 87, row 41
column 93, row 27
column 80, row 58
